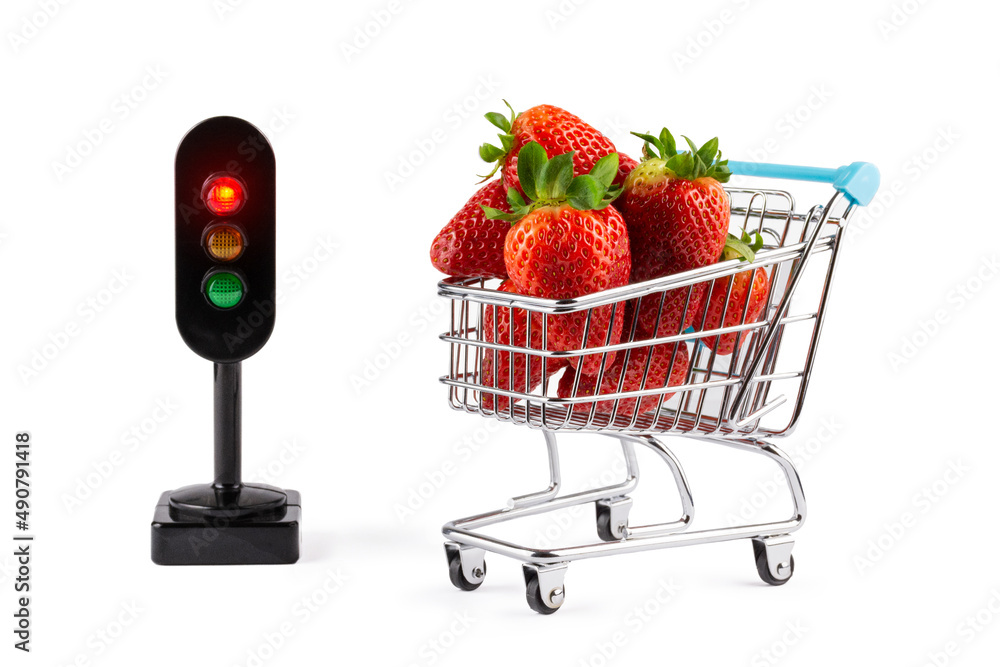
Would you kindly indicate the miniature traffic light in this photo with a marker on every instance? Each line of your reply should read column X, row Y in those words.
column 224, row 189
column 224, row 181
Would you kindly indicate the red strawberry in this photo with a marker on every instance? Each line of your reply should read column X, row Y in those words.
column 747, row 299
column 660, row 374
column 677, row 214
column 573, row 326
column 622, row 269
column 527, row 369
column 471, row 245
column 558, row 131
column 625, row 167
column 675, row 315
column 676, row 208
column 568, row 332
column 567, row 243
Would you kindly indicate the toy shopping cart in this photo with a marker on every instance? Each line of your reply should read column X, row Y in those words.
column 741, row 399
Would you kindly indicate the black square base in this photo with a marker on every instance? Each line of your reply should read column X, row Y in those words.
column 259, row 541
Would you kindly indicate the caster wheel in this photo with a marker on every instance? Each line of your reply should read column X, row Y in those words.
column 612, row 518
column 604, row 524
column 457, row 574
column 764, row 568
column 534, row 595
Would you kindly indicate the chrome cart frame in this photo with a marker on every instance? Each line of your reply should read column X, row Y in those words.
column 738, row 400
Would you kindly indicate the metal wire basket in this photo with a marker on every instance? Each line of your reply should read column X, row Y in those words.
column 733, row 380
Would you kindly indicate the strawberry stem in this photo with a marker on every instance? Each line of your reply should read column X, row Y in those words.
column 743, row 247
column 497, row 154
column 689, row 165
column 550, row 182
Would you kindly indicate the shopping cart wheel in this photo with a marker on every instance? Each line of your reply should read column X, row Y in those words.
column 774, row 559
column 612, row 518
column 466, row 566
column 544, row 588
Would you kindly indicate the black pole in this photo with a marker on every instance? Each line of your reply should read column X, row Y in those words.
column 228, row 443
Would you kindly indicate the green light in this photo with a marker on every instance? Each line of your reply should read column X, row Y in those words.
column 224, row 290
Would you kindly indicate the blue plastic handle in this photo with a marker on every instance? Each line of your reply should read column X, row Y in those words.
column 858, row 181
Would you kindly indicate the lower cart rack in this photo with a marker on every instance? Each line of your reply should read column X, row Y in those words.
column 741, row 399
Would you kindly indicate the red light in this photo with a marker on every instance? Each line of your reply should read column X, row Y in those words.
column 223, row 195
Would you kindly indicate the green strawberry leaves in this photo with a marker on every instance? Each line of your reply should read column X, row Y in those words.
column 550, row 182
column 665, row 143
column 689, row 165
column 496, row 154
column 490, row 153
column 683, row 163
column 554, row 177
column 584, row 193
column 500, row 120
column 530, row 161
column 594, row 191
column 743, row 247
column 708, row 152
column 606, row 170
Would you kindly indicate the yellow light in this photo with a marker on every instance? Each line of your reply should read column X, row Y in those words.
column 224, row 243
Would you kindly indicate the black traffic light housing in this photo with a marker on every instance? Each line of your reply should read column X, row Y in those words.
column 224, row 205
column 220, row 148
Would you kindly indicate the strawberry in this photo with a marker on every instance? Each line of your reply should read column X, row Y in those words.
column 510, row 370
column 629, row 370
column 622, row 269
column 677, row 215
column 558, row 131
column 574, row 326
column 471, row 245
column 676, row 209
column 567, row 242
column 747, row 297
column 678, row 312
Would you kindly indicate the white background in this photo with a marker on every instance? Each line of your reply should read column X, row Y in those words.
column 821, row 84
